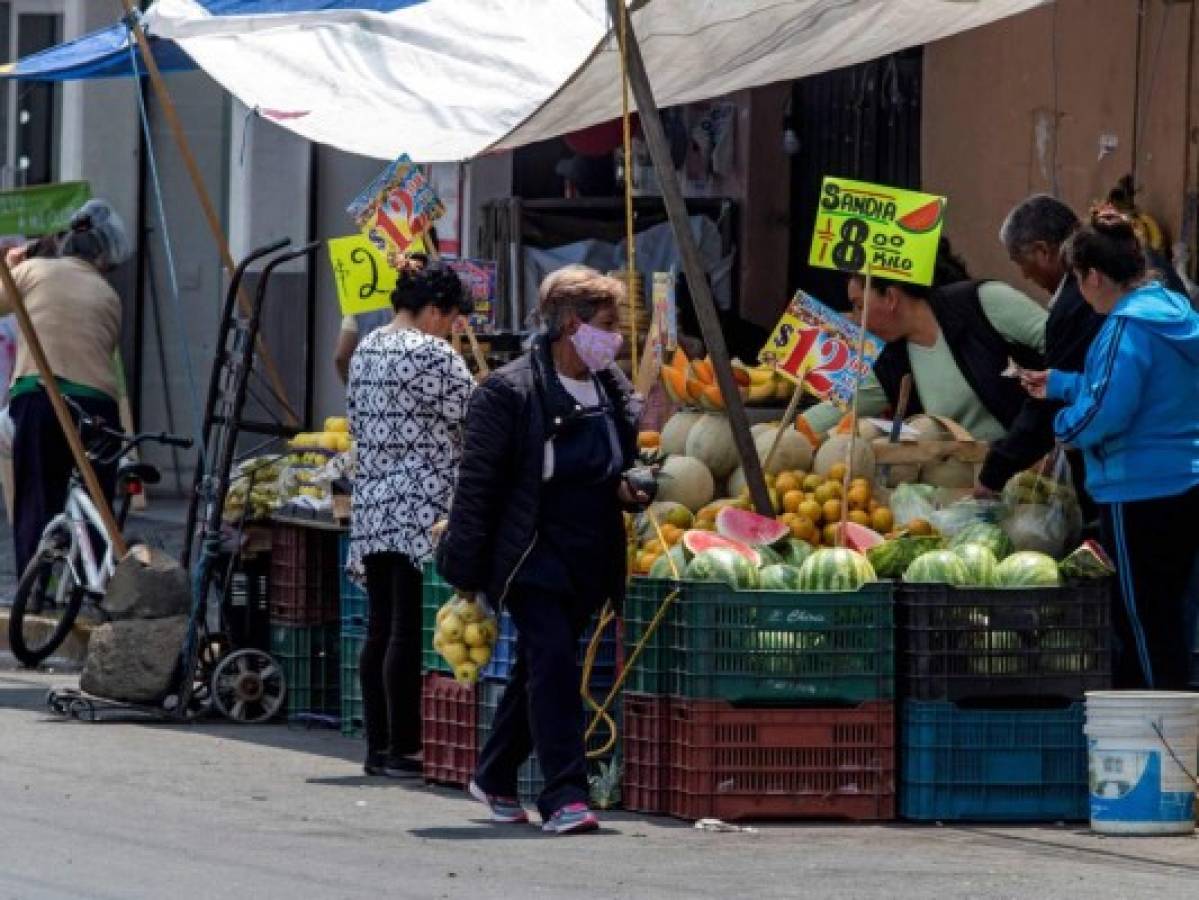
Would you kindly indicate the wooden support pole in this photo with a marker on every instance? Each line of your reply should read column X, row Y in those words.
column 69, row 428
column 210, row 214
column 697, row 282
column 852, row 444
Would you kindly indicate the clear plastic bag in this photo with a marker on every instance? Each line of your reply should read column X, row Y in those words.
column 910, row 502
column 1041, row 509
column 966, row 512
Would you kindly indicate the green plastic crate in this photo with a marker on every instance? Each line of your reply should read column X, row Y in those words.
column 765, row 647
column 309, row 657
column 353, row 719
column 435, row 592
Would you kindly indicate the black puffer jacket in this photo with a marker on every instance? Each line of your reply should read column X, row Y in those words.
column 494, row 514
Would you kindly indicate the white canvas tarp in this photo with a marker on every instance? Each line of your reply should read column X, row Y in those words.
column 446, row 80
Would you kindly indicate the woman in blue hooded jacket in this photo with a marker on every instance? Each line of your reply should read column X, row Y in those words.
column 1134, row 413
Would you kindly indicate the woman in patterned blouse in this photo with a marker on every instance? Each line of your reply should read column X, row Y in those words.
column 407, row 397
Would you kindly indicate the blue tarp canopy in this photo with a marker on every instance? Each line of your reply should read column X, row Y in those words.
column 105, row 53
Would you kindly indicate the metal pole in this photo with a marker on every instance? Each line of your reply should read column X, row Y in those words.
column 701, row 293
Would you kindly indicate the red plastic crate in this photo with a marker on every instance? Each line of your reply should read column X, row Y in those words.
column 736, row 763
column 305, row 583
column 646, row 741
column 450, row 730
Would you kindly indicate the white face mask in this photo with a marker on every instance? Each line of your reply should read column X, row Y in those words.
column 596, row 348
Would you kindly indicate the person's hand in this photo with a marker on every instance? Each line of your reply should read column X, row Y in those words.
column 437, row 531
column 16, row 255
column 1035, row 383
column 630, row 496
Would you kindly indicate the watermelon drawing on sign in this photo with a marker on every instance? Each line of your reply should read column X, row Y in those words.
column 924, row 218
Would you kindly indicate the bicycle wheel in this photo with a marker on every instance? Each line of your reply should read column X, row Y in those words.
column 45, row 606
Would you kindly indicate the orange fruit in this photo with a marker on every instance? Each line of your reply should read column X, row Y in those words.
column 831, row 511
column 787, row 518
column 813, row 481
column 811, row 510
column 881, row 520
column 672, row 534
column 920, row 527
column 826, row 492
column 830, row 534
column 860, row 518
column 792, row 500
column 872, row 506
column 805, row 529
column 862, row 482
column 649, row 440
column 653, row 545
column 837, row 472
column 859, row 497
column 786, row 482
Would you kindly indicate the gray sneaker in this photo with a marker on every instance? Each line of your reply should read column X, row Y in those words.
column 574, row 818
column 506, row 810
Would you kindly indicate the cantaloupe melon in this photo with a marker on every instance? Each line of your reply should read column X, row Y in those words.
column 833, row 451
column 950, row 474
column 710, row 440
column 794, row 451
column 686, row 481
column 674, row 433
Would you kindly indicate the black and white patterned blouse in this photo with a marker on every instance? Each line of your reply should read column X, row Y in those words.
column 407, row 397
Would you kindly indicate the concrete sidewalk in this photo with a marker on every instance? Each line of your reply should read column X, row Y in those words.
column 118, row 810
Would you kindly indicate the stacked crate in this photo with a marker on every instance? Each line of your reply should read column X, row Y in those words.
column 992, row 681
column 303, row 601
column 450, row 733
column 353, row 615
column 759, row 704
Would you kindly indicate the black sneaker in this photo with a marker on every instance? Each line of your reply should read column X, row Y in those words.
column 403, row 767
column 375, row 763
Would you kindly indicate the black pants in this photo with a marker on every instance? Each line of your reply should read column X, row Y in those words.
column 541, row 708
column 42, row 465
column 391, row 659
column 1155, row 545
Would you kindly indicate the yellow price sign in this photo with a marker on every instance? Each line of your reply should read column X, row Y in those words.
column 363, row 276
column 894, row 232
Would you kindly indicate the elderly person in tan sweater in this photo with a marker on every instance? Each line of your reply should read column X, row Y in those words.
column 77, row 317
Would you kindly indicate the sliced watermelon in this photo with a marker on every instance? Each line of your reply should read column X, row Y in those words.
column 924, row 218
column 697, row 542
column 860, row 538
column 749, row 528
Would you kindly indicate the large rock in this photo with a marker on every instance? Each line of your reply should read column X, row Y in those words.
column 134, row 661
column 147, row 584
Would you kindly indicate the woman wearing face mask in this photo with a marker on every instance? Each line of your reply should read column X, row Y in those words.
column 407, row 396
column 536, row 526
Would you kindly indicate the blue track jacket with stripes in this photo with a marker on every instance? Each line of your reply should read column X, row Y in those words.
column 1134, row 412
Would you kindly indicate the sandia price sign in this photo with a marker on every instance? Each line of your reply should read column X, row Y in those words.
column 894, row 232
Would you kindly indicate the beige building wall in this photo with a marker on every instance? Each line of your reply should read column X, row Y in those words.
column 1062, row 98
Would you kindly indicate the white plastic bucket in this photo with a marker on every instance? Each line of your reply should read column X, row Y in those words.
column 1143, row 747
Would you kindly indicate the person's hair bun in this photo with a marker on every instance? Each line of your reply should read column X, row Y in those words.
column 1109, row 221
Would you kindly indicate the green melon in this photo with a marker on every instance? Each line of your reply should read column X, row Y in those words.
column 779, row 577
column 835, row 569
column 1028, row 568
column 990, row 536
column 981, row 563
column 938, row 567
column 793, row 551
column 721, row 565
column 710, row 440
column 662, row 569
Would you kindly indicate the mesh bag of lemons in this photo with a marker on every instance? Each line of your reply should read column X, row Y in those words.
column 465, row 636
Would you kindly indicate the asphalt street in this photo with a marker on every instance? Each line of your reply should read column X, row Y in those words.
column 131, row 810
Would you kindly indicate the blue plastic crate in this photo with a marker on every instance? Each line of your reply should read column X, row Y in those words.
column 990, row 765
column 603, row 671
column 354, row 604
column 353, row 719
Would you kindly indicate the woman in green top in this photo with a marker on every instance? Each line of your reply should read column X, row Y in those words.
column 955, row 339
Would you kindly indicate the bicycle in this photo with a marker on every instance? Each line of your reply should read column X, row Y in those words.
column 69, row 568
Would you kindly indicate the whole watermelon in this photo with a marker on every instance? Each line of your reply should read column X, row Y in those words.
column 662, row 568
column 793, row 551
column 980, row 562
column 721, row 565
column 1028, row 568
column 779, row 577
column 938, row 567
column 835, row 570
column 892, row 558
column 990, row 536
